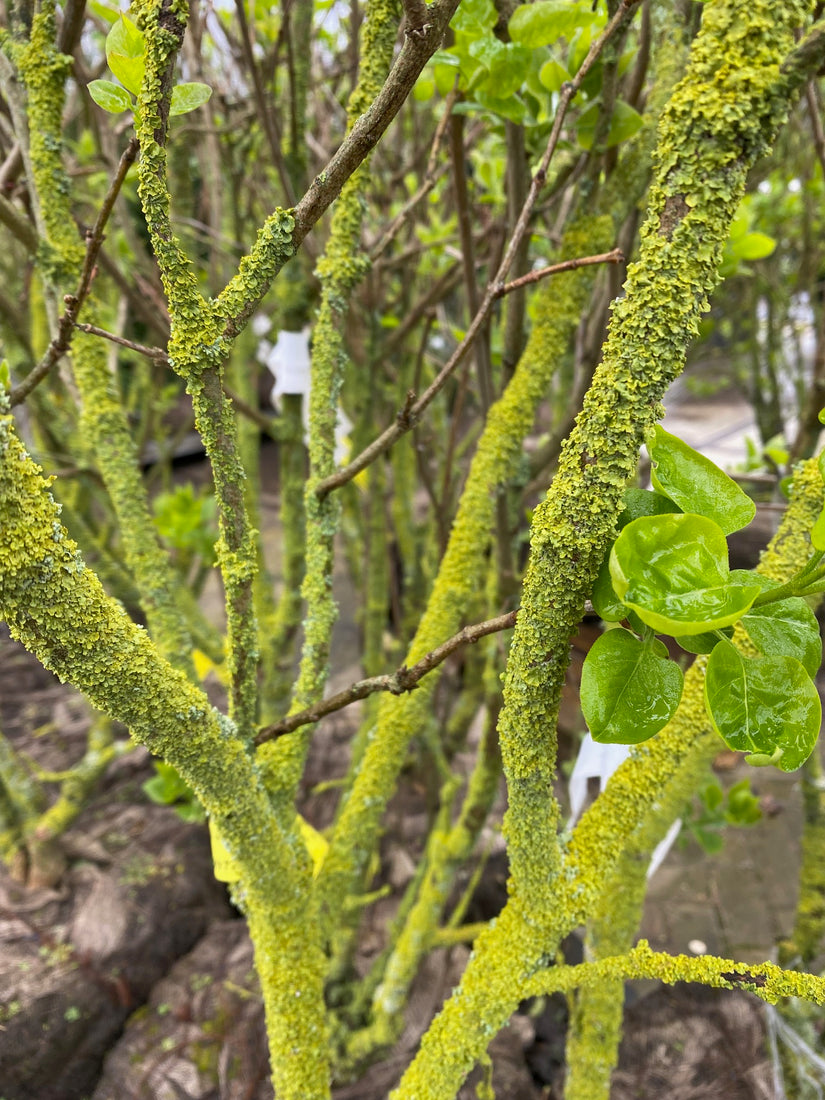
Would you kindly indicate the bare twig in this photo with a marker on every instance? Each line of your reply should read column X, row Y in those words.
column 402, row 680
column 616, row 256
column 264, row 422
column 265, row 116
column 395, row 431
column 432, row 175
column 74, row 302
column 142, row 349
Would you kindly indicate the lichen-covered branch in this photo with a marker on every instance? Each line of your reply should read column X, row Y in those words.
column 767, row 980
column 340, row 270
column 719, row 119
column 58, row 610
column 509, row 420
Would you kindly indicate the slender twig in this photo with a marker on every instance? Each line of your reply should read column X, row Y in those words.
column 74, row 302
column 142, row 349
column 17, row 224
column 432, row 175
column 484, row 366
column 402, row 680
column 158, row 355
column 395, row 430
column 616, row 256
column 358, row 144
column 265, row 116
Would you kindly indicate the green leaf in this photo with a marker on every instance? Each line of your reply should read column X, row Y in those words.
column 767, row 706
column 5, row 375
column 754, row 246
column 126, row 39
column 643, row 502
column 110, row 96
column 552, row 75
column 475, row 17
column 696, row 484
column 818, row 532
column 125, row 50
column 546, row 21
column 629, row 688
column 606, row 603
column 508, row 69
column 700, row 643
column 743, row 805
column 673, row 571
column 110, row 15
column 787, row 628
column 624, row 123
column 188, row 97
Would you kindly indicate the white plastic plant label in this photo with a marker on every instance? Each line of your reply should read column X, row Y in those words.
column 289, row 363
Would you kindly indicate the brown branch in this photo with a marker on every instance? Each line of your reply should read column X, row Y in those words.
column 616, row 256
column 395, row 431
column 417, row 17
column 358, row 144
column 265, row 116
column 74, row 302
column 814, row 101
column 402, row 680
column 806, row 60
column 19, row 226
column 151, row 353
column 432, row 175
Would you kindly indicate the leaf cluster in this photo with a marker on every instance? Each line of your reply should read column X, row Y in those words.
column 667, row 573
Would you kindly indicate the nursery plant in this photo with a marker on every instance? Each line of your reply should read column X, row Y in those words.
column 482, row 167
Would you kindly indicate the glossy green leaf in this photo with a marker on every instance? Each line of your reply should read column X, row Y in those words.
column 767, row 706
column 787, row 628
column 125, row 50
column 110, row 15
column 673, row 571
column 110, row 96
column 700, row 643
column 606, row 603
column 475, row 17
column 544, row 22
column 629, row 688
column 188, row 97
column 644, row 502
column 696, row 484
column 624, row 123
column 821, row 416
column 818, row 532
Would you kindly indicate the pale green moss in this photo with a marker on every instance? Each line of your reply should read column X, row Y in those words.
column 103, row 421
column 44, row 72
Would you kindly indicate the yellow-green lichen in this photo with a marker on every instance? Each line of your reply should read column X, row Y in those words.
column 456, row 586
column 58, row 609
